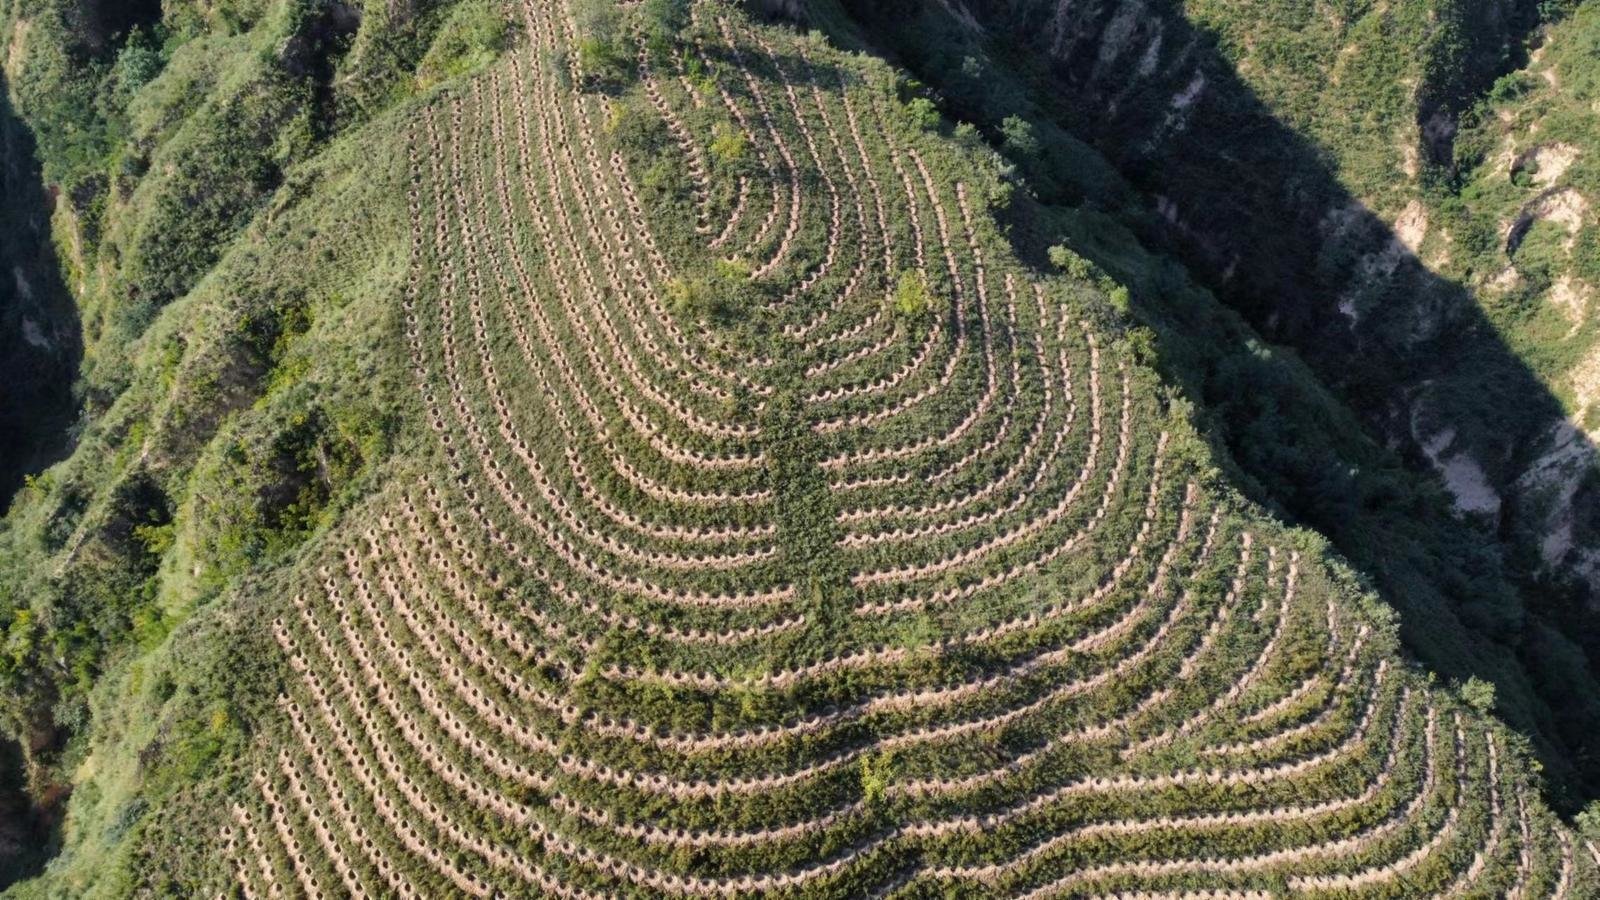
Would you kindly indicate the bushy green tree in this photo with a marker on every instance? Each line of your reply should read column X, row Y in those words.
column 911, row 297
column 924, row 112
column 728, row 144
column 601, row 38
column 139, row 61
column 1019, row 137
column 1478, row 694
column 664, row 20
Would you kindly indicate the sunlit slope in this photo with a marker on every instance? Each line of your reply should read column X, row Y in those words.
column 780, row 533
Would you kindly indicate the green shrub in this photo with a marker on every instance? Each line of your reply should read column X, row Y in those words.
column 728, row 144
column 911, row 297
column 602, row 42
column 1068, row 261
column 664, row 20
column 1478, row 694
column 139, row 61
column 924, row 113
column 473, row 35
column 1019, row 137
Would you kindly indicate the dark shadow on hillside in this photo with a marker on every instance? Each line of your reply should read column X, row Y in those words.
column 795, row 68
column 29, row 831
column 101, row 25
column 1258, row 216
column 41, row 347
column 41, row 343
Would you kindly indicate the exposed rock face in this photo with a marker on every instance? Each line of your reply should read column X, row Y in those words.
column 1563, row 206
column 1546, row 163
column 1412, row 226
column 1465, row 479
column 1573, row 298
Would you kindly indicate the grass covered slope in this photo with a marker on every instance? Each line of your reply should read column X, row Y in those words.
column 770, row 529
column 228, row 420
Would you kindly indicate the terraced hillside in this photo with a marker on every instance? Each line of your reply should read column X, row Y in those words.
column 773, row 530
column 1347, row 179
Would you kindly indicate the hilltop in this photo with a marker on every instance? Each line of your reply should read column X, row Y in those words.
column 621, row 451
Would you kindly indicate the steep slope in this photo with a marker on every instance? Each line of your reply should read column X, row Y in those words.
column 222, row 257
column 752, row 521
column 1526, row 185
column 40, row 350
column 1298, row 160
